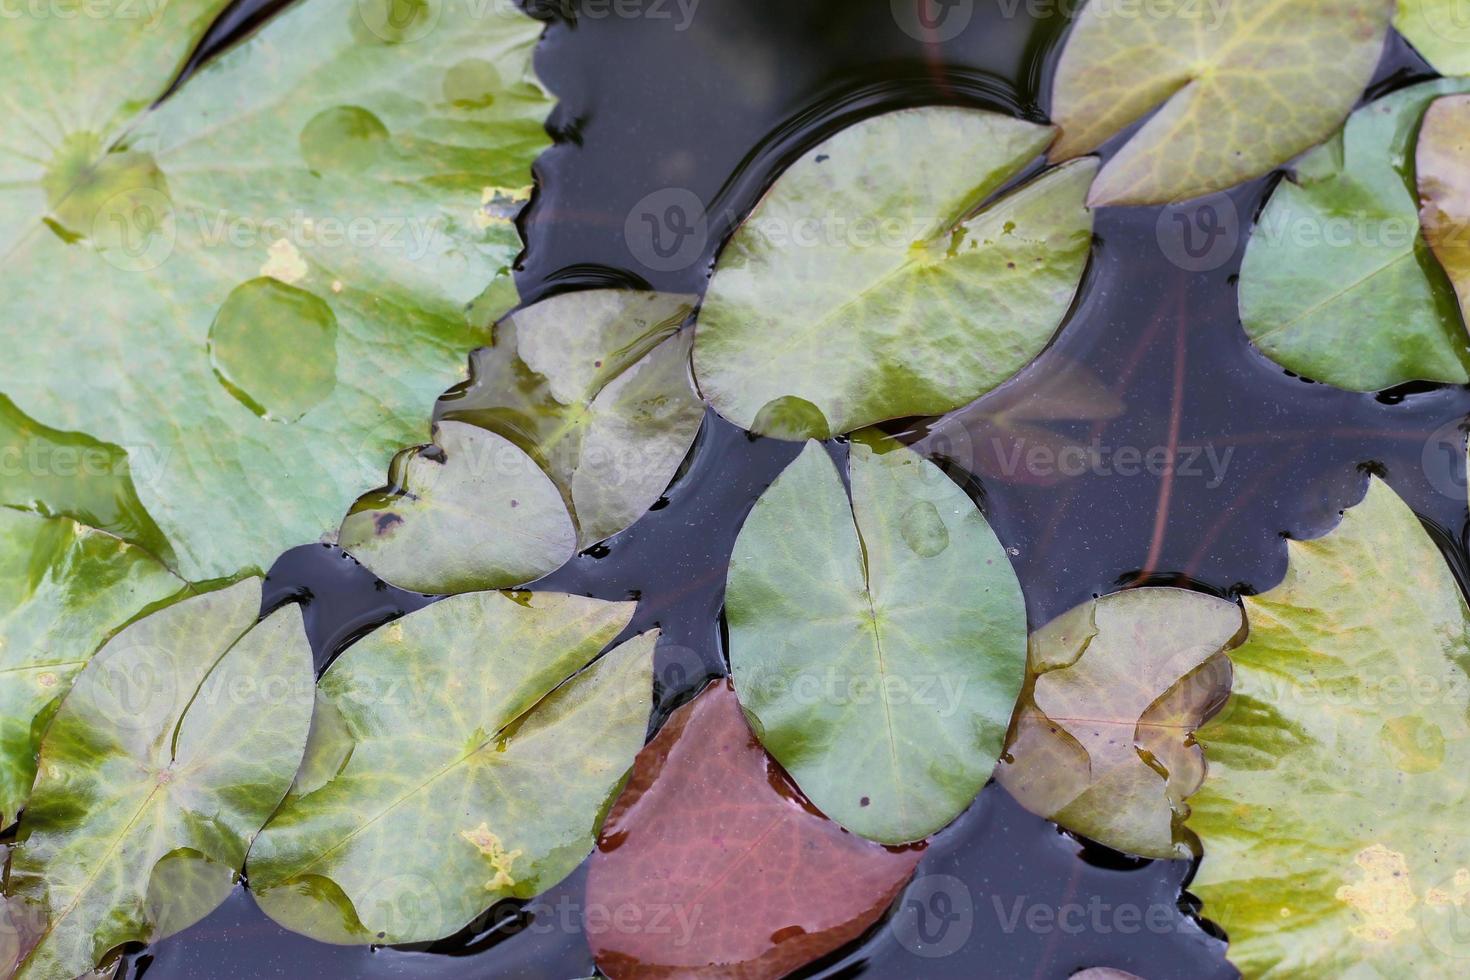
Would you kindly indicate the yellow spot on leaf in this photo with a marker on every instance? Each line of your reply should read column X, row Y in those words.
column 285, row 263
column 394, row 633
column 500, row 860
column 336, row 285
column 47, row 679
column 1382, row 897
column 1457, row 893
column 500, row 205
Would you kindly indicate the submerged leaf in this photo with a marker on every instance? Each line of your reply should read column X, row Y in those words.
column 63, row 588
column 878, row 643
column 175, row 744
column 279, row 267
column 864, row 287
column 1332, row 818
column 460, row 756
column 1101, row 745
column 595, row 386
column 1439, row 30
column 1338, row 283
column 1442, row 162
column 1234, row 89
column 470, row 512
column 710, row 865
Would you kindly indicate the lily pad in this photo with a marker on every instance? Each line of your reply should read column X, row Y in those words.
column 1338, row 283
column 1442, row 162
column 63, row 588
column 1332, row 818
column 176, row 742
column 711, row 865
column 877, row 643
column 1101, row 745
column 595, row 385
column 864, row 287
column 463, row 755
column 472, row 511
column 1439, row 30
column 279, row 267
column 1230, row 90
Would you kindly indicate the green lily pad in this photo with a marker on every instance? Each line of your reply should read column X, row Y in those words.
column 176, row 742
column 463, row 755
column 1101, row 743
column 472, row 511
column 1338, row 282
column 595, row 385
column 866, row 286
column 1439, row 30
column 63, row 587
column 280, row 267
column 1234, row 89
column 1444, row 189
column 1332, row 817
column 878, row 643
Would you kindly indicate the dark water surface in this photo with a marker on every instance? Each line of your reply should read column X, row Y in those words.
column 715, row 105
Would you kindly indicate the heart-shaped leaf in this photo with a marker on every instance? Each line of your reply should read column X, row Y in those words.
column 462, row 755
column 864, row 287
column 878, row 643
column 1333, row 813
column 1442, row 161
column 1440, row 30
column 176, row 742
column 470, row 512
column 1101, row 744
column 711, row 865
column 1234, row 88
column 279, row 267
column 595, row 386
column 1338, row 283
column 63, row 588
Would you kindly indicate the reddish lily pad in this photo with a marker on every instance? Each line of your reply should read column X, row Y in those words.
column 712, row 864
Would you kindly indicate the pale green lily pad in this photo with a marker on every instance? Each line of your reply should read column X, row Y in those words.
column 177, row 741
column 1442, row 162
column 63, row 588
column 866, row 287
column 472, row 511
column 280, row 267
column 1333, row 813
column 463, row 755
column 595, row 385
column 1100, row 743
column 877, row 643
column 1338, row 282
column 1235, row 89
column 1439, row 30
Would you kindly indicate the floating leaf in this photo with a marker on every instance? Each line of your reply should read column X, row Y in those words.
column 711, row 865
column 1442, row 161
column 1440, row 30
column 879, row 643
column 1338, row 283
column 453, row 763
column 176, row 742
column 470, row 512
column 1101, row 745
column 279, row 267
column 63, row 587
column 864, row 287
column 1238, row 88
column 1332, row 817
column 595, row 386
